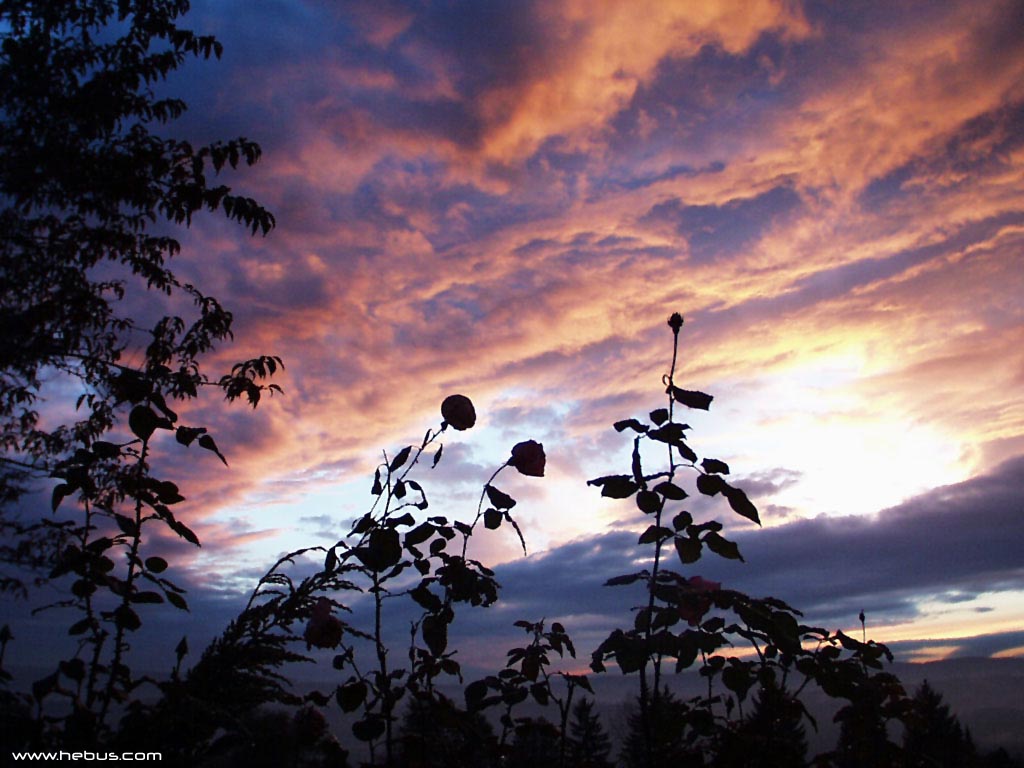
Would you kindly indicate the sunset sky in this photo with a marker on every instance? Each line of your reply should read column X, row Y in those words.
column 508, row 199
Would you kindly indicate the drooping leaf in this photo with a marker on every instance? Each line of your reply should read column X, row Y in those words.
column 722, row 546
column 740, row 504
column 499, row 499
column 616, row 486
column 59, row 492
column 688, row 549
column 207, row 442
column 659, row 416
column 691, row 399
column 400, row 458
column 435, row 634
column 492, row 518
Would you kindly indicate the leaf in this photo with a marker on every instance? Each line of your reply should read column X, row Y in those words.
column 618, row 581
column 351, row 695
column 498, row 498
column 437, row 456
column 710, row 485
column 419, row 534
column 127, row 525
column 147, row 597
column 688, row 549
column 377, row 488
column 492, row 519
column 682, row 520
column 670, row 491
column 400, row 458
column 659, row 416
column 648, row 502
column 654, row 533
column 382, row 550
column 691, row 399
column 184, row 531
column 176, row 600
column 715, row 467
column 142, row 422
column 59, row 492
column 740, row 504
column 185, row 435
column 540, row 693
column 435, row 634
column 633, row 424
column 126, row 618
column 476, row 692
column 205, row 441
column 616, row 486
column 368, row 729
column 722, row 546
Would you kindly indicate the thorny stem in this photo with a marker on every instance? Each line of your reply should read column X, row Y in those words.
column 119, row 642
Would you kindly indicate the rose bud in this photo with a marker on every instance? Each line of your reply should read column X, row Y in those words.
column 528, row 457
column 458, row 411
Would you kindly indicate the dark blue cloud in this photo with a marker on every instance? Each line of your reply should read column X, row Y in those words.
column 724, row 230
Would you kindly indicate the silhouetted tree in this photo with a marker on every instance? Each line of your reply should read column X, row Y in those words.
column 536, row 745
column 661, row 741
column 90, row 189
column 84, row 176
column 933, row 736
column 772, row 736
column 436, row 734
column 589, row 745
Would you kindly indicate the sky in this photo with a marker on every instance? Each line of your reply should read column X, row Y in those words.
column 508, row 199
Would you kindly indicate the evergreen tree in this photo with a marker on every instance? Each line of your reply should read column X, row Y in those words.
column 667, row 745
column 934, row 736
column 536, row 745
column 589, row 745
column 437, row 734
column 773, row 736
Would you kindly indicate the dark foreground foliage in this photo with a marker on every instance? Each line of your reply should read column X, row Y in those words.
column 88, row 188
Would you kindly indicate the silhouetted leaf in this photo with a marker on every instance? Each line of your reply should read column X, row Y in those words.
column 633, row 424
column 659, row 416
column 710, row 485
column 156, row 564
column 616, row 486
column 368, row 729
column 648, row 502
column 688, row 549
column 492, row 518
column 59, row 492
column 381, row 551
column 142, row 422
column 205, row 441
column 400, row 458
column 176, row 600
column 437, row 456
column 670, row 491
column 185, row 435
column 680, row 521
column 691, row 399
column 723, row 547
column 714, row 466
column 628, row 579
column 126, row 618
column 654, row 533
column 435, row 634
column 419, row 534
column 351, row 695
column 498, row 498
column 740, row 504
